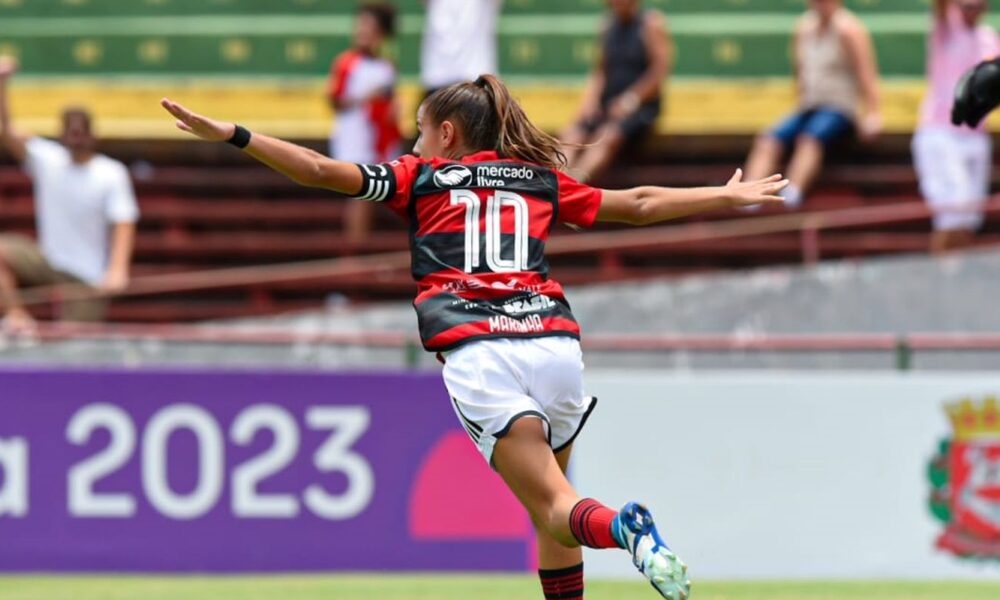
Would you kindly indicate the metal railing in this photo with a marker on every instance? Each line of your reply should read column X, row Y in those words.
column 610, row 245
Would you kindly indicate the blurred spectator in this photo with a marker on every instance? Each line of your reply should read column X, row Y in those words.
column 953, row 163
column 837, row 80
column 460, row 42
column 85, row 213
column 362, row 92
column 621, row 100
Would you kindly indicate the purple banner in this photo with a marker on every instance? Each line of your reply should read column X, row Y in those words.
column 202, row 471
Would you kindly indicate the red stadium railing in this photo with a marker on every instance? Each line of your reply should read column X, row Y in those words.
column 810, row 226
column 610, row 245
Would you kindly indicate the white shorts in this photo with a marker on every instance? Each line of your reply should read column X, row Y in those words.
column 493, row 383
column 954, row 172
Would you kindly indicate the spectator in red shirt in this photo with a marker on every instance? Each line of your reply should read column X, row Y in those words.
column 361, row 91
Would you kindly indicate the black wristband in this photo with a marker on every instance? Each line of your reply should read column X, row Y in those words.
column 241, row 137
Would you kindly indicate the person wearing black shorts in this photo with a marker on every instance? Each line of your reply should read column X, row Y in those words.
column 622, row 98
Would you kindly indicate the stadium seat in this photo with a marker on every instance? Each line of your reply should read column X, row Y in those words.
column 258, row 38
column 208, row 212
column 206, row 207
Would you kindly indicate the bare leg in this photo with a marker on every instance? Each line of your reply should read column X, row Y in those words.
column 807, row 160
column 9, row 298
column 939, row 242
column 16, row 318
column 551, row 553
column 526, row 463
column 764, row 157
column 964, row 238
column 597, row 157
column 358, row 219
column 945, row 241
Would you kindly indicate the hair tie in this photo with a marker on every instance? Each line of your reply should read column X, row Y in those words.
column 480, row 82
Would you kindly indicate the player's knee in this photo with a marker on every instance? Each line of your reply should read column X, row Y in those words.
column 810, row 142
column 768, row 145
column 555, row 520
column 548, row 515
column 545, row 520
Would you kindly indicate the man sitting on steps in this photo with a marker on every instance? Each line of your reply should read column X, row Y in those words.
column 85, row 212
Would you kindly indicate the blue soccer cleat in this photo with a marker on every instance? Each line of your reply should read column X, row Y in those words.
column 634, row 530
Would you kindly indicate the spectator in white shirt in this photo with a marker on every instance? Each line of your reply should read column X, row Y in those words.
column 85, row 213
column 460, row 42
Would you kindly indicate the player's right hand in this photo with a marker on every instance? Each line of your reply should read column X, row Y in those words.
column 748, row 193
column 8, row 66
column 201, row 126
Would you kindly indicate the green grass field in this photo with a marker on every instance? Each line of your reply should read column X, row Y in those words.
column 419, row 587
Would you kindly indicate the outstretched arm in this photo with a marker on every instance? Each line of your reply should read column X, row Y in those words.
column 301, row 165
column 15, row 143
column 646, row 205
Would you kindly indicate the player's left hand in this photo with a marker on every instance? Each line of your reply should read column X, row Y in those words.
column 201, row 126
column 749, row 193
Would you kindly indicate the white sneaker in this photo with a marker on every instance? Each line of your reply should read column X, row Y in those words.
column 635, row 531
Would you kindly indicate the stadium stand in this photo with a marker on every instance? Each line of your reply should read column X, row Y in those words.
column 545, row 47
column 722, row 37
column 207, row 207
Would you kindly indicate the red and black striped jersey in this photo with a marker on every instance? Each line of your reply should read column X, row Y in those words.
column 478, row 229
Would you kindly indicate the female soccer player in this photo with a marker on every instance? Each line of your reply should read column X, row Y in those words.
column 481, row 196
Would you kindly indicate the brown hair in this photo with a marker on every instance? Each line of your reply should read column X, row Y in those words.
column 384, row 15
column 491, row 119
column 71, row 113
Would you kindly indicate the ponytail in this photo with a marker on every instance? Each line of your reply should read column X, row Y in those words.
column 491, row 119
column 518, row 136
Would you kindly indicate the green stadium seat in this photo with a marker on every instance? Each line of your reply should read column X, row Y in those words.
column 729, row 38
column 740, row 54
column 119, row 8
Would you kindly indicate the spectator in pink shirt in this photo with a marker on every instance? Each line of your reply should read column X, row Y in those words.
column 953, row 163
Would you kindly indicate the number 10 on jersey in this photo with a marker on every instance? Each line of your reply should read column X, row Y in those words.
column 495, row 206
